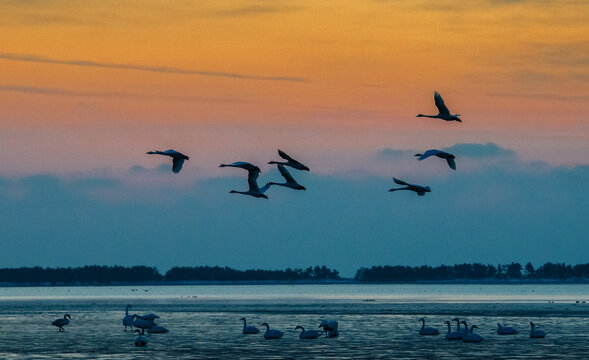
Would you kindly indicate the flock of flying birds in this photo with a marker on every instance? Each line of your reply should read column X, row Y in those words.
column 254, row 171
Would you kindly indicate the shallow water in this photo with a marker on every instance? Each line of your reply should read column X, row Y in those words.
column 208, row 326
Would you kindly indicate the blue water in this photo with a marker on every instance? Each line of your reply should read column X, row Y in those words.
column 376, row 321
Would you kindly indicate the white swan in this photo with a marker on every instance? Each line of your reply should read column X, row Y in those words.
column 330, row 328
column 177, row 158
column 471, row 336
column 463, row 331
column 141, row 340
column 60, row 323
column 157, row 330
column 308, row 334
column 506, row 330
column 128, row 319
column 271, row 333
column 252, row 177
column 441, row 154
column 142, row 324
column 443, row 112
column 290, row 161
column 456, row 335
column 536, row 334
column 290, row 181
column 427, row 330
column 420, row 190
column 249, row 329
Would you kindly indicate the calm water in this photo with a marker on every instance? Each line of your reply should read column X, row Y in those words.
column 204, row 321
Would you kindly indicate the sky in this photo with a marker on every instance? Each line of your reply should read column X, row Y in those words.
column 86, row 88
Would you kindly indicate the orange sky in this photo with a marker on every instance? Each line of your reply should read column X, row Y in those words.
column 335, row 77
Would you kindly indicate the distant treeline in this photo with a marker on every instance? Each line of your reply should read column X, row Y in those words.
column 99, row 275
column 513, row 271
column 144, row 274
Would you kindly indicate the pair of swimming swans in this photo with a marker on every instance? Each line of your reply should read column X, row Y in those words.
column 254, row 172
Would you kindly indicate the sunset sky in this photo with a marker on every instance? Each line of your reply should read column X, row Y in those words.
column 87, row 87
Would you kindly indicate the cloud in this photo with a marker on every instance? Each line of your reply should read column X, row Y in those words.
column 542, row 96
column 480, row 150
column 148, row 68
column 390, row 153
column 491, row 215
column 255, row 10
column 98, row 94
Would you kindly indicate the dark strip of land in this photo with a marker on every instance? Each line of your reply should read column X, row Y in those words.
column 102, row 275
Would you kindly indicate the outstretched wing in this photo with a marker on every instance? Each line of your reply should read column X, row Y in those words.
column 451, row 163
column 245, row 165
column 177, row 165
column 400, row 182
column 429, row 153
column 443, row 110
column 252, row 177
column 285, row 156
column 285, row 174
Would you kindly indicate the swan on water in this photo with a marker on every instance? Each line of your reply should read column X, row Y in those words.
column 463, row 331
column 60, row 323
column 177, row 158
column 456, row 335
column 308, row 334
column 330, row 328
column 290, row 161
column 141, row 340
column 142, row 324
column 427, row 330
column 157, row 330
column 271, row 333
column 252, row 179
column 506, row 330
column 128, row 319
column 441, row 154
column 471, row 336
column 249, row 329
column 443, row 112
column 420, row 190
column 536, row 334
column 290, row 181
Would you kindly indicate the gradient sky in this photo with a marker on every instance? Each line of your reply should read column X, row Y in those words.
column 87, row 87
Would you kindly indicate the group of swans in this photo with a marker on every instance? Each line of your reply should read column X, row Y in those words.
column 254, row 172
column 444, row 114
column 469, row 335
column 329, row 326
column 61, row 322
column 142, row 323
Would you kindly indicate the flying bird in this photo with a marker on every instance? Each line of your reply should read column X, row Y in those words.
column 252, row 179
column 177, row 158
column 289, row 161
column 60, row 323
column 443, row 112
column 420, row 190
column 290, row 181
column 441, row 154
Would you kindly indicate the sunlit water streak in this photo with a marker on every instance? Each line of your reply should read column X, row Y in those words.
column 208, row 326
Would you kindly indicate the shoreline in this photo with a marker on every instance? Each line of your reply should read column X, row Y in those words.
column 308, row 282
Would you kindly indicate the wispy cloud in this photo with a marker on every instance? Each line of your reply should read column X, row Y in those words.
column 543, row 96
column 255, row 10
column 148, row 68
column 106, row 94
